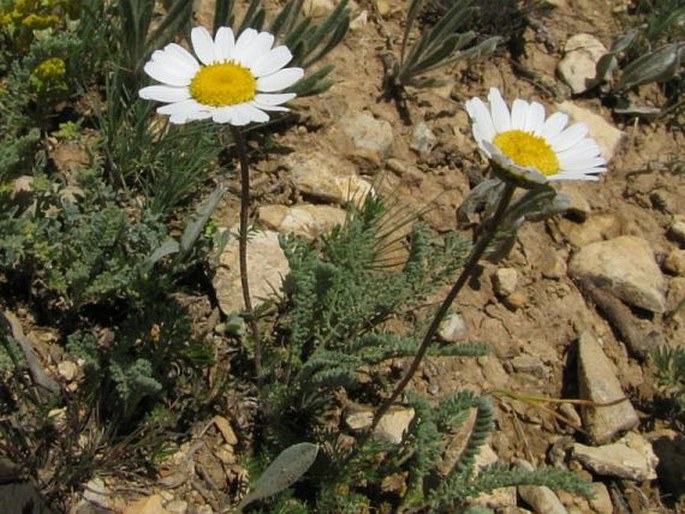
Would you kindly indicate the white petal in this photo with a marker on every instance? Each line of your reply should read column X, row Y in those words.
column 535, row 119
column 167, row 75
column 185, row 108
column 501, row 118
column 271, row 61
column 224, row 42
column 202, row 44
column 182, row 57
column 480, row 139
column 266, row 107
column 573, row 176
column 259, row 46
column 279, row 80
column 165, row 94
column 519, row 110
column 568, row 138
column 554, row 125
column 271, row 99
column 243, row 44
column 481, row 118
column 183, row 112
column 253, row 113
column 586, row 148
column 584, row 164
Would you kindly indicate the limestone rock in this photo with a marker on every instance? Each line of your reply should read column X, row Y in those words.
column 675, row 262
column 423, row 140
column 148, row 505
column 677, row 231
column 500, row 498
column 306, row 220
column 326, row 177
column 368, row 132
column 597, row 227
column 631, row 457
column 391, row 427
column 577, row 68
column 453, row 328
column 317, row 8
column 625, row 266
column 266, row 268
column 505, row 281
column 601, row 503
column 598, row 383
column 542, row 499
column 97, row 493
column 604, row 133
column 529, row 364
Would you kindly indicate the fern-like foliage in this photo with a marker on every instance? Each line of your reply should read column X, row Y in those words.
column 340, row 293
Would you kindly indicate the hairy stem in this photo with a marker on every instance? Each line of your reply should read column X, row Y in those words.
column 476, row 253
column 242, row 248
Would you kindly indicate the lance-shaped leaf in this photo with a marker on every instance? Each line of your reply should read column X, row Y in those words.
column 285, row 470
column 609, row 61
column 659, row 65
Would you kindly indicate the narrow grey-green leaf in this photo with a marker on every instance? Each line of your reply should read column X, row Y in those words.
column 286, row 469
column 193, row 231
column 661, row 64
column 166, row 248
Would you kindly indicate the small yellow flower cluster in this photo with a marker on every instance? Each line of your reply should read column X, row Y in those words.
column 49, row 75
column 32, row 14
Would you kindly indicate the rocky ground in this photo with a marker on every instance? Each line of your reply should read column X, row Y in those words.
column 573, row 311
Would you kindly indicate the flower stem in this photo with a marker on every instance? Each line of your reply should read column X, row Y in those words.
column 242, row 249
column 476, row 253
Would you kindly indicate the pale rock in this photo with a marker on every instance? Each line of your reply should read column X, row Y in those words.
column 177, row 507
column 148, row 505
column 577, row 203
column 394, row 424
column 541, row 498
column 317, row 8
column 515, row 300
column 326, row 177
column 676, row 293
column 96, row 492
column 306, row 220
column 608, row 137
column 553, row 266
column 601, row 503
column 391, row 426
column 598, row 383
column 494, row 373
column 577, row 68
column 452, row 329
column 595, row 228
column 674, row 262
column 227, row 432
column 67, row 370
column 625, row 266
column 499, row 498
column 529, row 364
column 368, row 132
column 505, row 281
column 23, row 186
column 677, row 231
column 631, row 458
column 267, row 266
column 360, row 21
column 423, row 140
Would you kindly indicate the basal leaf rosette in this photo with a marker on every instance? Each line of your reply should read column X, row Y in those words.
column 230, row 80
column 530, row 149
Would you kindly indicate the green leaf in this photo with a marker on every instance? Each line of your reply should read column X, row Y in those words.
column 193, row 231
column 659, row 65
column 285, row 470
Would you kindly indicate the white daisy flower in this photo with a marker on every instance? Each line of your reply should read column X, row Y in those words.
column 529, row 148
column 231, row 81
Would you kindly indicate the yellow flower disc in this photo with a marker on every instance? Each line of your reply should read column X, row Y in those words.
column 528, row 151
column 222, row 84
